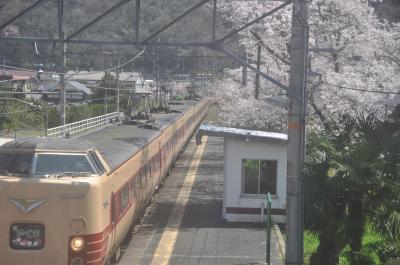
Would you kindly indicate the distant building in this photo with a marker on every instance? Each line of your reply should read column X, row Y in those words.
column 255, row 164
column 86, row 77
column 94, row 78
column 128, row 79
column 75, row 91
column 19, row 80
column 144, row 87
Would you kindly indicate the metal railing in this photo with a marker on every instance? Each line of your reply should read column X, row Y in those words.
column 81, row 127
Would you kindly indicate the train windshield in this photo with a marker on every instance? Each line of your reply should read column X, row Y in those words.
column 15, row 164
column 48, row 165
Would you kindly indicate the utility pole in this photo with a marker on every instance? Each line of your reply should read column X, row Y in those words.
column 63, row 47
column 257, row 90
column 118, row 90
column 296, row 133
column 244, row 72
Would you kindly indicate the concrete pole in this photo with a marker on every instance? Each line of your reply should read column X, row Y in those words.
column 296, row 135
column 118, row 91
column 63, row 45
column 62, row 87
column 244, row 72
column 257, row 90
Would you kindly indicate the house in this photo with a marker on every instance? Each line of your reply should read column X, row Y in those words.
column 93, row 78
column 19, row 80
column 128, row 79
column 85, row 77
column 75, row 91
column 255, row 163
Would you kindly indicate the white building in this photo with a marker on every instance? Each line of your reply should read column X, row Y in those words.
column 255, row 163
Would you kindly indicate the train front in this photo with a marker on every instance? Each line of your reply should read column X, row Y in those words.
column 46, row 190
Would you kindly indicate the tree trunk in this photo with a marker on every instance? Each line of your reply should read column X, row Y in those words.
column 355, row 228
column 328, row 249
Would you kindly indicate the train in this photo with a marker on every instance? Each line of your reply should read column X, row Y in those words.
column 73, row 201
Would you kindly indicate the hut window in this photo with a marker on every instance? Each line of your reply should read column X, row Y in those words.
column 259, row 176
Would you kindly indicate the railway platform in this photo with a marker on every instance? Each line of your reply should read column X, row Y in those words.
column 183, row 225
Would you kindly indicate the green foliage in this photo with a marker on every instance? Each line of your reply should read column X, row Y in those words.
column 375, row 251
column 310, row 245
column 351, row 175
column 24, row 117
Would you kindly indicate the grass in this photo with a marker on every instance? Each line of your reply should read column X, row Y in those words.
column 371, row 243
column 310, row 245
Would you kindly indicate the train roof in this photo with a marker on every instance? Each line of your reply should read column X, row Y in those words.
column 117, row 143
column 48, row 144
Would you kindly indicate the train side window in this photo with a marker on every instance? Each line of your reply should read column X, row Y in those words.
column 124, row 198
column 132, row 183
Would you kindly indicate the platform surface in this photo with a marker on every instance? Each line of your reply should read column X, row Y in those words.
column 184, row 226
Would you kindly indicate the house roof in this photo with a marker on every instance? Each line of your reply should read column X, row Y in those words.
column 243, row 134
column 128, row 76
column 85, row 76
column 98, row 76
column 17, row 75
column 80, row 87
column 52, row 85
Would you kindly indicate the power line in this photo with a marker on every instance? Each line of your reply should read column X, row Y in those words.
column 50, row 107
column 71, row 75
column 363, row 90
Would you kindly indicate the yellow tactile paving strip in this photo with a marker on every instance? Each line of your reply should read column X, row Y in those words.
column 166, row 244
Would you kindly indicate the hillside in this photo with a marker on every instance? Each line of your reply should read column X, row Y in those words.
column 42, row 22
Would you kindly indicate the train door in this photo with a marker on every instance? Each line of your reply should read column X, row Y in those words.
column 113, row 220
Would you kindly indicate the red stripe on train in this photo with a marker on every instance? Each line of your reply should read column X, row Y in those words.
column 95, row 248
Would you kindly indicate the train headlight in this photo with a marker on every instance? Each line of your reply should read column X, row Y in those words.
column 77, row 243
column 78, row 225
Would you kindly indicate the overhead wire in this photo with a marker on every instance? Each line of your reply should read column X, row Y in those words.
column 363, row 90
column 70, row 75
column 50, row 107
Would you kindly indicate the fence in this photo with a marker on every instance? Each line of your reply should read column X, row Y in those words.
column 81, row 127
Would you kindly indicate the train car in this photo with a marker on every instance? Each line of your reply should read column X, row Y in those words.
column 73, row 201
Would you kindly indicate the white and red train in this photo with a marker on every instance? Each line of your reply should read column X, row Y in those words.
column 73, row 201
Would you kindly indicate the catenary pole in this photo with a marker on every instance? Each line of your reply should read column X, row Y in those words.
column 118, row 90
column 63, row 48
column 296, row 133
column 244, row 70
column 257, row 90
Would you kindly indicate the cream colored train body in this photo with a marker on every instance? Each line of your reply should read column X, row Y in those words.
column 80, row 216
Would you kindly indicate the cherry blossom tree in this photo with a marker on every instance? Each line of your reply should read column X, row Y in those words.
column 358, row 70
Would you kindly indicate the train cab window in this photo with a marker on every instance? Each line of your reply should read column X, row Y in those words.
column 15, row 164
column 49, row 164
column 97, row 163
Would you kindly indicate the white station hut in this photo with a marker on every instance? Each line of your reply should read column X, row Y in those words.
column 255, row 163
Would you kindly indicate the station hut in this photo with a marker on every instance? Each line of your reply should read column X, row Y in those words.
column 255, row 163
